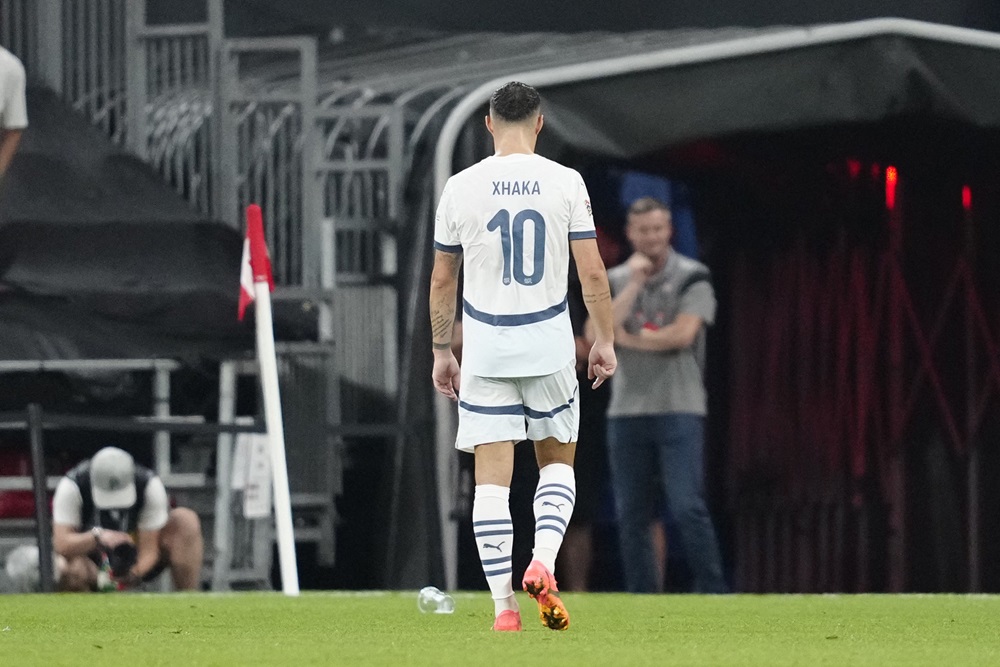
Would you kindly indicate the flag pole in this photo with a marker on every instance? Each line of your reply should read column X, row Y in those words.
column 267, row 361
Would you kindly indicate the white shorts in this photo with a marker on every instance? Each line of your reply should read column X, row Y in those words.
column 532, row 408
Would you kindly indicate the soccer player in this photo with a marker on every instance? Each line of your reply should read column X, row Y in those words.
column 511, row 221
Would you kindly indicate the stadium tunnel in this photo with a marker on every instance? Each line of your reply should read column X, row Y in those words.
column 843, row 181
column 852, row 370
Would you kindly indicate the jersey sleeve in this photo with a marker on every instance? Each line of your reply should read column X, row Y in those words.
column 446, row 236
column 699, row 299
column 581, row 216
column 14, row 109
column 67, row 504
column 156, row 507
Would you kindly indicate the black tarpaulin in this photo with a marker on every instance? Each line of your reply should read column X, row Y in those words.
column 119, row 289
column 99, row 259
column 863, row 80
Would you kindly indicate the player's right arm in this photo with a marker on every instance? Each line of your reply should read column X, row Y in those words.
column 444, row 292
column 597, row 298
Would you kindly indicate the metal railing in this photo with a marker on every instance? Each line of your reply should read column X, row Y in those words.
column 209, row 117
column 17, row 19
column 267, row 148
column 36, row 423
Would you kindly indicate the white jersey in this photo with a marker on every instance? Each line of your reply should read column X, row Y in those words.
column 513, row 218
column 67, row 505
column 13, row 111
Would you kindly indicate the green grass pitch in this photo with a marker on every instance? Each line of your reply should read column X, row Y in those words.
column 606, row 629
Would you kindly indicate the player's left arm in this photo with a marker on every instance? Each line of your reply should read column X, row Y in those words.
column 444, row 291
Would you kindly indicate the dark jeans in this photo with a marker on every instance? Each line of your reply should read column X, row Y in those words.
column 671, row 446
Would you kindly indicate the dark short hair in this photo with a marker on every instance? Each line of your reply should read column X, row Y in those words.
column 514, row 102
column 646, row 205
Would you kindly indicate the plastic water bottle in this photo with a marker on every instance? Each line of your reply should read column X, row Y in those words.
column 431, row 599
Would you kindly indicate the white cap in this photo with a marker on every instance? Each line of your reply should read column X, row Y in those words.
column 112, row 479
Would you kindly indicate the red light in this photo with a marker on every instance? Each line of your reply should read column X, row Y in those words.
column 853, row 168
column 966, row 198
column 891, row 178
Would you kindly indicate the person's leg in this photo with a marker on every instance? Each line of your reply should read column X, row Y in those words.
column 555, row 497
column 553, row 423
column 491, row 521
column 681, row 451
column 79, row 575
column 490, row 421
column 632, row 460
column 182, row 547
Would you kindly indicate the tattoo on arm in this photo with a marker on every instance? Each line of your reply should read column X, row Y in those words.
column 597, row 298
column 444, row 284
column 442, row 325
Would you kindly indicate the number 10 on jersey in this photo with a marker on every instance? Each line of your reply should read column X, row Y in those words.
column 512, row 245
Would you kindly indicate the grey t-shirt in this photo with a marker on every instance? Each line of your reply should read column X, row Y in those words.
column 656, row 383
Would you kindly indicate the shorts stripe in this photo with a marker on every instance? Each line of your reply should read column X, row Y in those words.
column 536, row 414
column 517, row 410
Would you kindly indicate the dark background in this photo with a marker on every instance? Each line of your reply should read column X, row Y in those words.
column 249, row 17
column 757, row 182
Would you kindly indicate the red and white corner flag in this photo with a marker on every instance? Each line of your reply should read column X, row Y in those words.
column 254, row 240
column 256, row 284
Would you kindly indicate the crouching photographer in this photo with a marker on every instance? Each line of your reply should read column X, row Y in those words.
column 112, row 522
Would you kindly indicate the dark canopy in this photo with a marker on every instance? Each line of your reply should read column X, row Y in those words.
column 856, row 81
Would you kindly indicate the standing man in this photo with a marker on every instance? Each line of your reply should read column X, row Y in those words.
column 13, row 107
column 108, row 506
column 662, row 302
column 512, row 220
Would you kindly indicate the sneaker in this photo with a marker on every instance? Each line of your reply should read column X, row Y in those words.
column 541, row 586
column 508, row 621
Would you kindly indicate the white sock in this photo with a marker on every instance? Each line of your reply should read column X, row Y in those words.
column 554, row 501
column 494, row 532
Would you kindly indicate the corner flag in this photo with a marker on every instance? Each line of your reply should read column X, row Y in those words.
column 253, row 245
column 256, row 283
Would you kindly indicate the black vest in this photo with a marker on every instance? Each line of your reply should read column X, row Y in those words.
column 126, row 519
